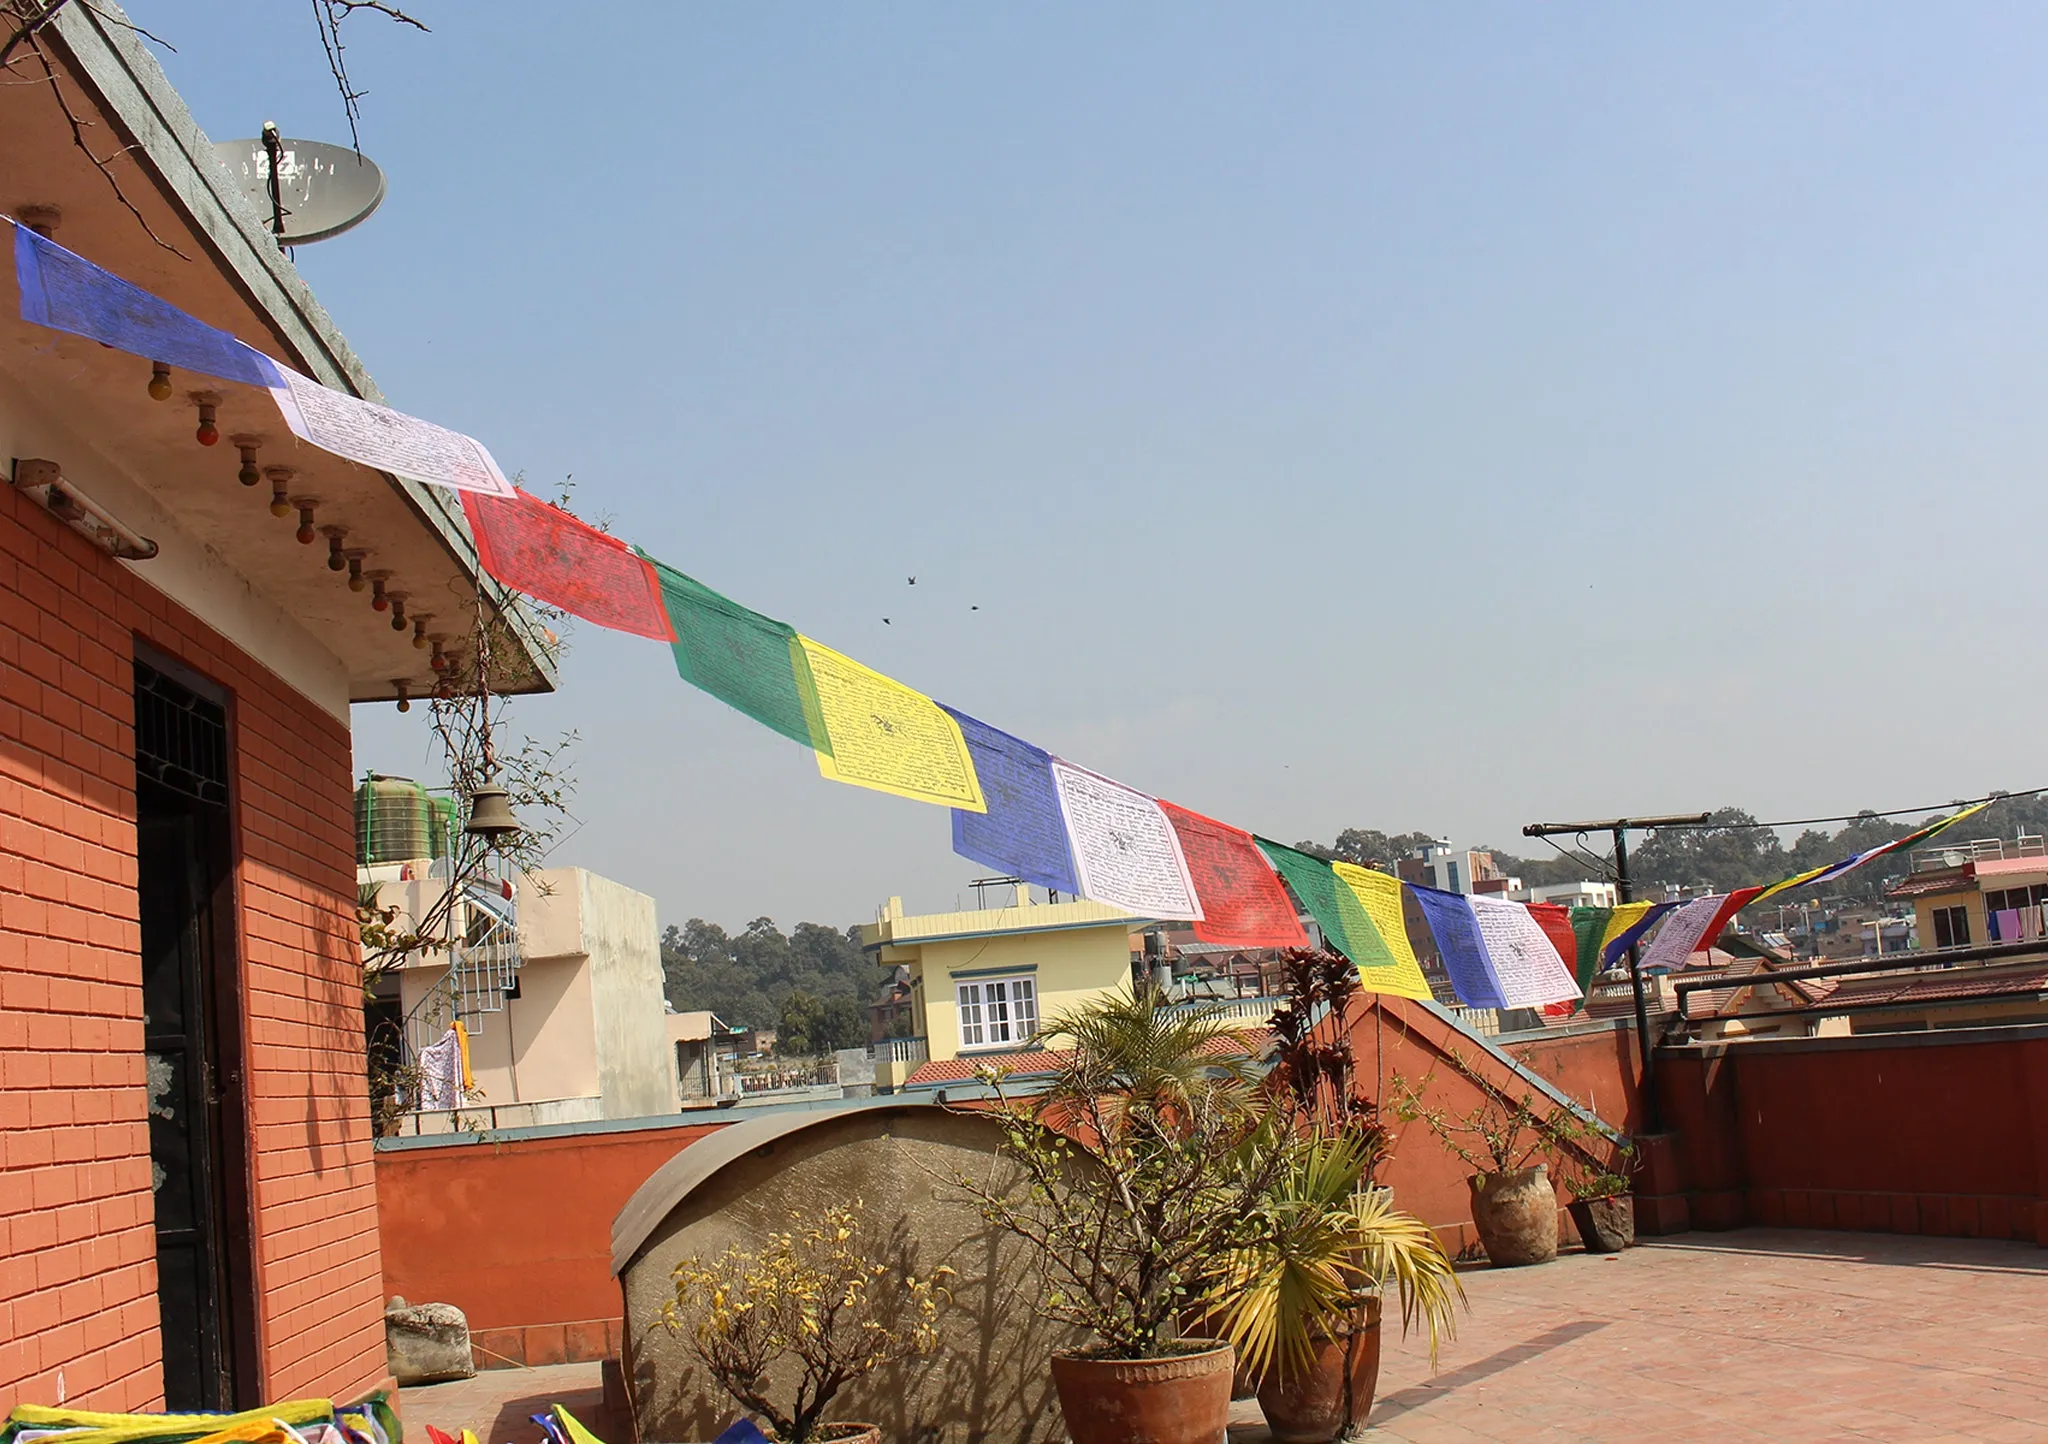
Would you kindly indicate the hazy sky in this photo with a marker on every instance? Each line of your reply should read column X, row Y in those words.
column 1396, row 416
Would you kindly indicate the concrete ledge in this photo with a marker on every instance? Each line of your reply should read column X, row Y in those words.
column 1863, row 1042
column 529, row 1346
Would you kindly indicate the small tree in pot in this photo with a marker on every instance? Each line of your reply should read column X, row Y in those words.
column 1601, row 1208
column 812, row 1296
column 1301, row 1299
column 1503, row 1138
column 1141, row 1162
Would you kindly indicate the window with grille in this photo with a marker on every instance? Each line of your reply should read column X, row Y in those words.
column 997, row 1012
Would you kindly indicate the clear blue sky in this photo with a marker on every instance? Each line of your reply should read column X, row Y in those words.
column 1397, row 416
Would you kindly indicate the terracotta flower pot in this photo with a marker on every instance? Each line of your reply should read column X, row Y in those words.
column 1606, row 1225
column 1181, row 1399
column 1516, row 1216
column 1307, row 1407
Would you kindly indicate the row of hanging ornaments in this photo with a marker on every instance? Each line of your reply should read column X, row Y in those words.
column 339, row 556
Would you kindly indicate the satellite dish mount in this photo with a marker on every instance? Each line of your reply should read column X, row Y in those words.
column 310, row 190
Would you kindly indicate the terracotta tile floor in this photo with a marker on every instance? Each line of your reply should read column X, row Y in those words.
column 1762, row 1334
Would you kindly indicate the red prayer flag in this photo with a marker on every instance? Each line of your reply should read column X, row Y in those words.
column 1736, row 901
column 1243, row 904
column 543, row 551
column 1556, row 921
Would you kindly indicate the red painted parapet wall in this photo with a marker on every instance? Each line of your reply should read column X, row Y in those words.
column 517, row 1233
column 1942, row 1132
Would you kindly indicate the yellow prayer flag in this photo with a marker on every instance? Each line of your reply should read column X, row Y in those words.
column 571, row 1425
column 1619, row 921
column 1380, row 896
column 872, row 731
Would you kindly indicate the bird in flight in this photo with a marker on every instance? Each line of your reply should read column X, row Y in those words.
column 913, row 581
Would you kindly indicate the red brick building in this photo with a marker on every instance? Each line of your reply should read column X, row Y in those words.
column 185, row 1150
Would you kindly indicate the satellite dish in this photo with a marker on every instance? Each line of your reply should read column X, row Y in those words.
column 322, row 190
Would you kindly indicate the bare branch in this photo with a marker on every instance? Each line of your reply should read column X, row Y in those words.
column 126, row 24
column 29, row 18
column 103, row 166
column 327, row 16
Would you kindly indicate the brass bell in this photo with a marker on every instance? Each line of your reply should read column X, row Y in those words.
column 490, row 813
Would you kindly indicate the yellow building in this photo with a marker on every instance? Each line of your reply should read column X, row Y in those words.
column 983, row 982
column 1958, row 891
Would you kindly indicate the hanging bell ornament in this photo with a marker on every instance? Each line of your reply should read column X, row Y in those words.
column 490, row 813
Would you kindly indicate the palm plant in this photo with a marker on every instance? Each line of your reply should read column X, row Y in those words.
column 1325, row 1244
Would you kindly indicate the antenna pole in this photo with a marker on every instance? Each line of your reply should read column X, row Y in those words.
column 1653, row 1111
column 273, row 146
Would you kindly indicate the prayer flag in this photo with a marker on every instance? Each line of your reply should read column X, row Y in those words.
column 1627, row 927
column 1589, row 930
column 1242, row 902
column 1556, row 921
column 387, row 440
column 881, row 734
column 1345, row 924
column 547, row 553
column 1124, row 848
column 1380, row 896
column 747, row 661
column 1461, row 946
column 1023, row 832
column 66, row 292
column 1682, row 932
column 1527, row 963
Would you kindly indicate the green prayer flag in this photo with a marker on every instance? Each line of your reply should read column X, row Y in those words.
column 749, row 662
column 1589, row 926
column 1345, row 923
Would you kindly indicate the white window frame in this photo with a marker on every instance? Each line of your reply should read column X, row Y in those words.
column 997, row 1012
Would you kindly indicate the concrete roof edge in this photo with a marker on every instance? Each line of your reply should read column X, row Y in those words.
column 1528, row 1075
column 113, row 57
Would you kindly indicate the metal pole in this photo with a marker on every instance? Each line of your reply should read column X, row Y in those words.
column 1652, row 1112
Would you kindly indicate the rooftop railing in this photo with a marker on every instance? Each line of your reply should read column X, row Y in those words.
column 1980, row 849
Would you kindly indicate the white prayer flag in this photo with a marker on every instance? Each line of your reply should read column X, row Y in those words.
column 1125, row 850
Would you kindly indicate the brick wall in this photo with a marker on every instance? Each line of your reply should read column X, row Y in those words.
column 78, row 1312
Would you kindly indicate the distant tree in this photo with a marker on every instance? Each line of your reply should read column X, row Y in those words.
column 801, row 1027
column 845, row 1025
column 1730, row 852
column 746, row 979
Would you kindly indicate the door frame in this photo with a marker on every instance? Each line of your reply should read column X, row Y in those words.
column 233, row 1121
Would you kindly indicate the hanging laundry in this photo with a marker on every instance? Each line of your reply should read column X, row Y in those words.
column 440, row 1070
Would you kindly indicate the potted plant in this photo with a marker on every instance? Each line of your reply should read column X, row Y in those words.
column 813, row 1298
column 1503, row 1138
column 1142, row 1161
column 1601, row 1208
column 1301, row 1300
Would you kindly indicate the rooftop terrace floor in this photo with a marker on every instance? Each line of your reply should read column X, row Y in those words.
column 1761, row 1334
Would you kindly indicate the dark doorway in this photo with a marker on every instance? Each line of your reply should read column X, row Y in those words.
column 191, row 1037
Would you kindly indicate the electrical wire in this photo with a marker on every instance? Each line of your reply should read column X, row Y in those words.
column 1858, row 816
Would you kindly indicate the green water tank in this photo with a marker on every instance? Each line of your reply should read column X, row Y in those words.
column 398, row 820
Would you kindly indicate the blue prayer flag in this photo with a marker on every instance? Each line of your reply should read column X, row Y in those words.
column 66, row 292
column 1024, row 833
column 1456, row 930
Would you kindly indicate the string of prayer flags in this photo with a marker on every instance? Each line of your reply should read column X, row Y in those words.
column 1627, row 927
column 1461, row 947
column 1338, row 911
column 542, row 550
column 1243, row 904
column 1589, row 930
column 1022, row 833
column 66, row 292
column 1125, row 851
column 1526, row 963
column 872, row 731
column 1847, row 864
column 745, row 660
column 1380, row 896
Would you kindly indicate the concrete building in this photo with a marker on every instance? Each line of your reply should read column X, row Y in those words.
column 191, row 1219
column 706, row 1050
column 1570, row 894
column 1452, row 869
column 578, row 1029
column 982, row 982
column 1967, row 894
